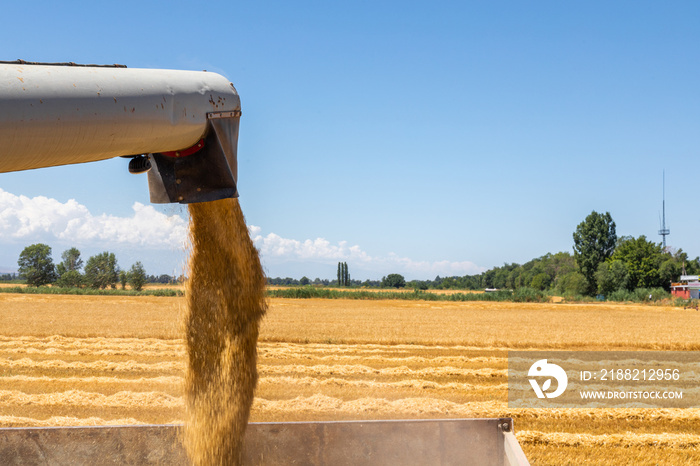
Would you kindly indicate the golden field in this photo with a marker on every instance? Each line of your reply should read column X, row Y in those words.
column 88, row 360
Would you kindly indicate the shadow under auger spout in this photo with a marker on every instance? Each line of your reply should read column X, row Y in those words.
column 179, row 126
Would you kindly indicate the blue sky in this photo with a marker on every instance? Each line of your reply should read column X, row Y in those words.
column 422, row 138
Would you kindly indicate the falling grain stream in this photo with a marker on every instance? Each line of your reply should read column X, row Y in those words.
column 225, row 296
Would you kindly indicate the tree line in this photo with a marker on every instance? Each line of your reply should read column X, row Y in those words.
column 304, row 281
column 602, row 264
column 393, row 280
column 101, row 271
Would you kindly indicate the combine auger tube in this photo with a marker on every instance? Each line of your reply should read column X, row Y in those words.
column 184, row 124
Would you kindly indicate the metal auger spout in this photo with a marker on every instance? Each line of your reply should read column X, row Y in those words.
column 179, row 126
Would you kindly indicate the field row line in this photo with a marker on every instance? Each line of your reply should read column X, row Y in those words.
column 433, row 406
column 118, row 342
column 421, row 384
column 405, row 359
column 576, row 364
column 161, row 353
column 689, row 388
column 180, row 353
column 438, row 360
column 45, row 380
column 317, row 369
column 341, row 347
column 92, row 341
column 61, row 421
column 505, row 345
column 561, row 439
column 175, row 381
column 340, row 369
column 325, row 404
column 368, row 347
column 125, row 399
column 128, row 366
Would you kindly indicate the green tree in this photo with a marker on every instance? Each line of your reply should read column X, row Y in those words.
column 669, row 271
column 123, row 278
column 541, row 281
column 68, row 270
column 692, row 266
column 418, row 285
column 393, row 280
column 594, row 242
column 643, row 259
column 102, row 271
column 612, row 276
column 70, row 279
column 343, row 276
column 573, row 283
column 71, row 260
column 304, row 281
column 36, row 265
column 137, row 276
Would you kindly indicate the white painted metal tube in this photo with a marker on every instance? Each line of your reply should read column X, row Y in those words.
column 58, row 115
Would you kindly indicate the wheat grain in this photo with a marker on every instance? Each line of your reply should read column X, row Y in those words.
column 225, row 296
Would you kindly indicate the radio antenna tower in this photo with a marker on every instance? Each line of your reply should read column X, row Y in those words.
column 664, row 231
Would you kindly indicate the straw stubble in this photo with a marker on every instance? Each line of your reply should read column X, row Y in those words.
column 226, row 300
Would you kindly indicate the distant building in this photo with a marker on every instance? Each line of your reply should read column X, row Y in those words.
column 687, row 288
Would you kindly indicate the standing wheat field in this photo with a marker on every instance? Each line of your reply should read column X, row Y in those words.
column 95, row 360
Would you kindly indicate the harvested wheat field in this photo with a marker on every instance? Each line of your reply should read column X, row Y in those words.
column 91, row 360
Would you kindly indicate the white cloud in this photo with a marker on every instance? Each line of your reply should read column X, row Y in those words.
column 319, row 249
column 42, row 218
column 275, row 249
column 46, row 220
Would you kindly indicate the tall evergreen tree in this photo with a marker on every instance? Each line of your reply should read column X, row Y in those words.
column 594, row 242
